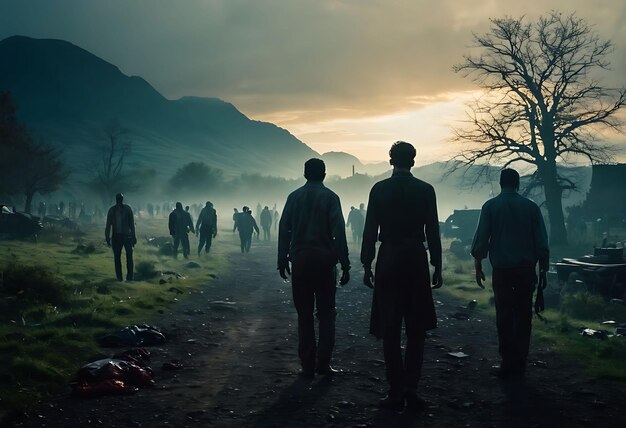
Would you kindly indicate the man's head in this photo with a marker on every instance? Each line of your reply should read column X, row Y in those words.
column 235, row 210
column 402, row 155
column 179, row 205
column 266, row 208
column 509, row 179
column 314, row 170
column 245, row 209
column 352, row 208
column 362, row 206
column 119, row 198
column 208, row 204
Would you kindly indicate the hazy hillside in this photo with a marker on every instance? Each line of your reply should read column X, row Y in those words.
column 68, row 95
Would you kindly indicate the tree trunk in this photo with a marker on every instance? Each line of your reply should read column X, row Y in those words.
column 554, row 204
column 29, row 201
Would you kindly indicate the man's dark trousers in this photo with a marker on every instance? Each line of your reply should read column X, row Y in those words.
column 117, row 242
column 403, row 375
column 246, row 241
column 314, row 286
column 513, row 291
column 183, row 240
column 206, row 238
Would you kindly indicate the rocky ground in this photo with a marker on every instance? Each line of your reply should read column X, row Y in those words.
column 237, row 341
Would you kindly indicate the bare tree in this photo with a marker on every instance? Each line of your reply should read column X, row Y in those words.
column 542, row 105
column 43, row 171
column 110, row 175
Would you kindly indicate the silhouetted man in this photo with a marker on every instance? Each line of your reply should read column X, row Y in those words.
column 355, row 222
column 206, row 226
column 180, row 224
column 266, row 222
column 312, row 236
column 246, row 225
column 512, row 232
column 402, row 214
column 121, row 221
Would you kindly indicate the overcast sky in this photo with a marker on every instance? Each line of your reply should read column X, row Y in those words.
column 349, row 75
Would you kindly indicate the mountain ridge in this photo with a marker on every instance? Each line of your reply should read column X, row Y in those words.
column 66, row 95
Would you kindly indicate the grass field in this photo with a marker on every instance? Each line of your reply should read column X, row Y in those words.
column 59, row 294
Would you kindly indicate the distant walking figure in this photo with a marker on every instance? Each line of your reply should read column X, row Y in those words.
column 206, row 227
column 180, row 224
column 246, row 225
column 402, row 214
column 512, row 232
column 121, row 221
column 266, row 223
column 312, row 236
column 355, row 222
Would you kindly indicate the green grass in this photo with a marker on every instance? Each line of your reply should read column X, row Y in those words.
column 565, row 315
column 55, row 301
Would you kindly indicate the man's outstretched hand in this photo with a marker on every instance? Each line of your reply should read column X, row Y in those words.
column 437, row 279
column 284, row 270
column 368, row 278
column 345, row 277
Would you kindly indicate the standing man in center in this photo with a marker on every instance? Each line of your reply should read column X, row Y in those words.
column 402, row 215
column 312, row 235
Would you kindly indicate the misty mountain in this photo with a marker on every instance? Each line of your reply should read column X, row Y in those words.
column 341, row 164
column 67, row 96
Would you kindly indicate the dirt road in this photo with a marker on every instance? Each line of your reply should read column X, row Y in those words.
column 240, row 369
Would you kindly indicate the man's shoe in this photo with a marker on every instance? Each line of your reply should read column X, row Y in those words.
column 391, row 402
column 414, row 402
column 326, row 371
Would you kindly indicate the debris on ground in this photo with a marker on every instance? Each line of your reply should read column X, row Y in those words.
column 172, row 365
column 599, row 334
column 134, row 335
column 458, row 354
column 172, row 273
column 123, row 374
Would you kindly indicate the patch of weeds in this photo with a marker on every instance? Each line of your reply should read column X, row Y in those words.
column 84, row 250
column 33, row 284
column 25, row 367
column 145, row 270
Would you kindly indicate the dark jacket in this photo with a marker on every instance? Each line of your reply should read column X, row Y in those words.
column 121, row 221
column 312, row 221
column 207, row 221
column 246, row 223
column 511, row 230
column 402, row 215
column 180, row 222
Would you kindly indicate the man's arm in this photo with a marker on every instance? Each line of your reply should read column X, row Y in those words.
column 338, row 228
column 131, row 225
column 199, row 221
column 370, row 233
column 433, row 238
column 254, row 225
column 107, row 228
column 370, row 236
column 284, row 236
column 542, row 246
column 480, row 244
column 214, row 215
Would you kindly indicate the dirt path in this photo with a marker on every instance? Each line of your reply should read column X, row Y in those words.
column 241, row 369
